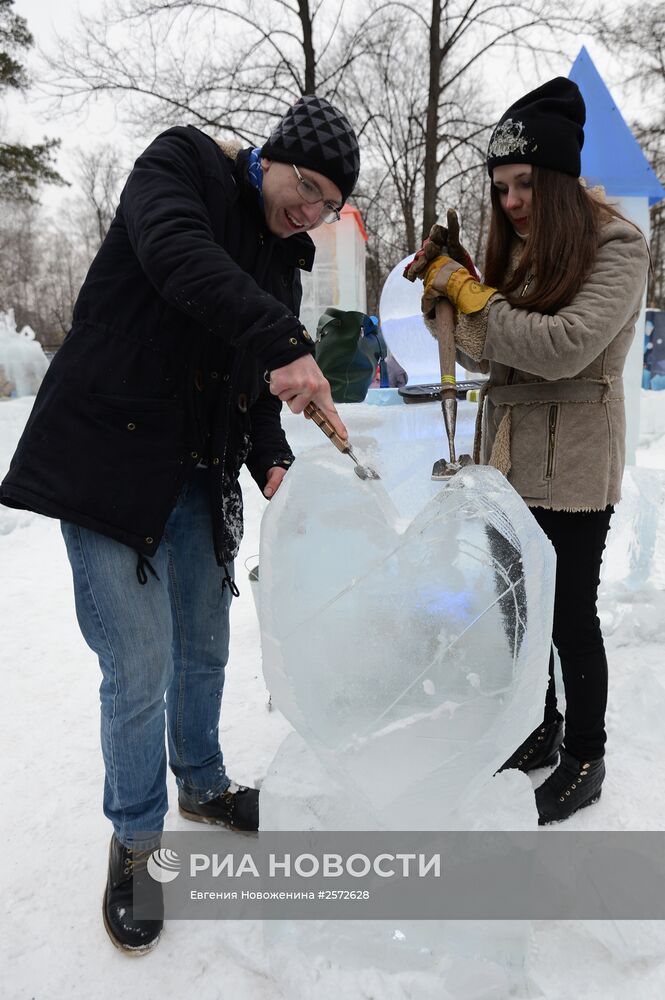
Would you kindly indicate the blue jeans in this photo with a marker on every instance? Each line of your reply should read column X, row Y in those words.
column 162, row 648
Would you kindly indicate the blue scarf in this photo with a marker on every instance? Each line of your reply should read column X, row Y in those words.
column 255, row 172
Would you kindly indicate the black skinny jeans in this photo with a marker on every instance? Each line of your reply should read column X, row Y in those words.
column 579, row 539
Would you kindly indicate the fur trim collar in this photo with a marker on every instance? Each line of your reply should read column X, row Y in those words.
column 229, row 147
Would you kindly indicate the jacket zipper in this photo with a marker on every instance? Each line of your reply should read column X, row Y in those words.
column 552, row 420
column 527, row 282
column 529, row 279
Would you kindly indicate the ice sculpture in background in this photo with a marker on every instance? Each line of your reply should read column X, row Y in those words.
column 408, row 656
column 404, row 330
column 23, row 363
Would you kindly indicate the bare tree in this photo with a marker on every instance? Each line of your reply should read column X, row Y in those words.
column 235, row 65
column 43, row 260
column 460, row 33
column 409, row 76
column 425, row 114
column 25, row 262
column 64, row 267
column 99, row 176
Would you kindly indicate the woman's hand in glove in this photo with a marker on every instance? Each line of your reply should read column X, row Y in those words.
column 448, row 279
column 447, row 271
column 443, row 241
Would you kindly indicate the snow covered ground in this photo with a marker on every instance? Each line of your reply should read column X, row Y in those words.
column 55, row 837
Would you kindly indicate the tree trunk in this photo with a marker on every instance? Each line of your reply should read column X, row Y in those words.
column 308, row 46
column 408, row 210
column 432, row 124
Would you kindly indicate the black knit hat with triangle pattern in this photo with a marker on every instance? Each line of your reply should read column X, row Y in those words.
column 316, row 135
column 545, row 127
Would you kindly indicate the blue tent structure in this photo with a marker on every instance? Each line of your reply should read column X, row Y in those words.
column 611, row 155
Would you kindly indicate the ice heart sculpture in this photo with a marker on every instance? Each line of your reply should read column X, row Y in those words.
column 411, row 656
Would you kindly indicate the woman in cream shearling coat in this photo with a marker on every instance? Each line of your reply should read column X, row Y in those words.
column 553, row 414
column 565, row 276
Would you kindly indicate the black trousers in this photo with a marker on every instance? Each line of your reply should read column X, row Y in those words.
column 579, row 540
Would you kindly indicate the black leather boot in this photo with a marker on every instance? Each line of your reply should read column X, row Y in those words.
column 126, row 869
column 237, row 808
column 572, row 786
column 540, row 749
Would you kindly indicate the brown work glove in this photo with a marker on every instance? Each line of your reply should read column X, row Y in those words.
column 442, row 241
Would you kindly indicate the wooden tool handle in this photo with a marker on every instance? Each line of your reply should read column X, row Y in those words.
column 315, row 414
column 445, row 325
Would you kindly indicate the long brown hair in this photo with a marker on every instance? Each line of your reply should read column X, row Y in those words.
column 561, row 246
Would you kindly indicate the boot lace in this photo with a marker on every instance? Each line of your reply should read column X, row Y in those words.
column 135, row 861
column 584, row 770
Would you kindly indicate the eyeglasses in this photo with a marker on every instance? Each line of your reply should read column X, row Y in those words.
column 310, row 193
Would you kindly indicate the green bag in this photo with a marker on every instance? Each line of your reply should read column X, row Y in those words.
column 348, row 350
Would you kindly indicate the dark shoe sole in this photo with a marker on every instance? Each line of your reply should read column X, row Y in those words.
column 134, row 951
column 214, row 821
column 582, row 805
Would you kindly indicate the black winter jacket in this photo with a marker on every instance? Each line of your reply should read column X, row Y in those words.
column 188, row 302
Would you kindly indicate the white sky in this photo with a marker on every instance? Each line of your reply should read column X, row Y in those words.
column 26, row 119
column 26, row 115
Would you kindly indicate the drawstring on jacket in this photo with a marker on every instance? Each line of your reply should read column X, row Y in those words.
column 229, row 582
column 141, row 567
column 500, row 458
column 143, row 564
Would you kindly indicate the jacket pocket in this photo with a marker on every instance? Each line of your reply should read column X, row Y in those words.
column 133, row 459
column 583, row 459
column 133, row 431
column 529, row 450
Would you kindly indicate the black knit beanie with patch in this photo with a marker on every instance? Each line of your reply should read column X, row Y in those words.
column 545, row 128
column 316, row 135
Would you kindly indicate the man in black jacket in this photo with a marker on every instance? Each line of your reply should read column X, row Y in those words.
column 185, row 341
